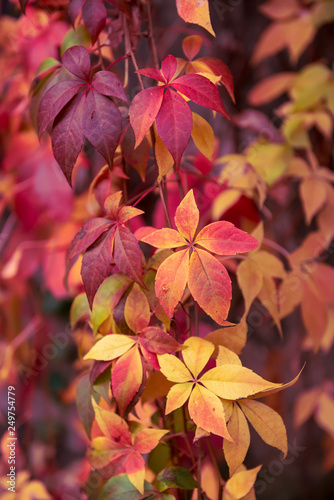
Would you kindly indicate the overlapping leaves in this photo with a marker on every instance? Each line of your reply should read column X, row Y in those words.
column 81, row 107
column 168, row 108
column 104, row 240
column 207, row 278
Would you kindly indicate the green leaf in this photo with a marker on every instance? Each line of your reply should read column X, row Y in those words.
column 76, row 36
column 176, row 477
column 120, row 488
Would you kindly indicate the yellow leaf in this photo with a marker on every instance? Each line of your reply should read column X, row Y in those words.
column 269, row 298
column 299, row 34
column 173, row 369
column 136, row 477
column 313, row 194
column 110, row 347
column 227, row 357
column 177, row 396
column 240, row 484
column 267, row 423
column 234, row 382
column 235, row 452
column 195, row 11
column 203, row 136
column 268, row 392
column 269, row 160
column 269, row 264
column 224, row 201
column 250, row 279
column 294, row 130
column 164, row 158
column 197, row 354
column 137, row 309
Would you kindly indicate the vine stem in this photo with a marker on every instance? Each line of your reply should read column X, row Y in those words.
column 130, row 52
column 276, row 246
column 153, row 46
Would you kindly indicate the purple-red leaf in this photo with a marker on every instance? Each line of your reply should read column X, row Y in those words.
column 168, row 67
column 96, row 265
column 107, row 83
column 144, row 109
column 200, row 90
column 67, row 137
column 76, row 60
column 102, row 124
column 94, row 15
column 127, row 255
column 174, row 124
column 54, row 100
column 74, row 8
column 87, row 235
column 157, row 341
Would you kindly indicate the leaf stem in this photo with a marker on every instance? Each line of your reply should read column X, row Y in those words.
column 277, row 247
column 153, row 46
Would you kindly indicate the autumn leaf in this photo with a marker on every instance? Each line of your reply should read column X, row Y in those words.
column 235, row 452
column 164, row 104
column 240, row 484
column 208, row 279
column 195, row 12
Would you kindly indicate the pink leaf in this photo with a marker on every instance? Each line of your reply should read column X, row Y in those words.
column 54, row 100
column 96, row 266
column 76, row 60
column 67, row 137
column 174, row 124
column 200, row 90
column 127, row 255
column 143, row 111
column 168, row 67
column 102, row 124
column 218, row 67
column 94, row 16
column 108, row 83
column 87, row 235
column 223, row 238
column 74, row 8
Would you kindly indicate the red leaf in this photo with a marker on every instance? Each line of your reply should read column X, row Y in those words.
column 67, row 137
column 156, row 340
column 223, row 238
column 127, row 255
column 108, row 83
column 174, row 124
column 54, row 100
column 94, row 16
column 171, row 279
column 200, row 90
column 126, row 379
column 144, row 109
column 76, row 60
column 102, row 124
column 87, row 235
column 210, row 285
column 151, row 358
column 218, row 67
column 168, row 67
column 153, row 73
column 96, row 266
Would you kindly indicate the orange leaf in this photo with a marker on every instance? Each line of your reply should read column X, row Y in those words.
column 270, row 88
column 207, row 411
column 250, row 279
column 171, row 279
column 267, row 423
column 210, row 285
column 147, row 439
column 126, row 378
column 191, row 46
column 235, row 452
column 165, row 238
column 137, row 310
column 314, row 313
column 187, row 216
column 195, row 11
column 111, row 424
column 313, row 193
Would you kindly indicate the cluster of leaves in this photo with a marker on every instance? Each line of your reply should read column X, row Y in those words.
column 161, row 391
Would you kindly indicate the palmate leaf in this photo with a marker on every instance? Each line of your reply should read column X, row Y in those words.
column 207, row 278
column 170, row 110
column 78, row 109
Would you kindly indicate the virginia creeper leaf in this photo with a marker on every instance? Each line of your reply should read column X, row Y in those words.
column 110, row 347
column 137, row 310
column 174, row 124
column 267, row 423
column 165, row 238
column 197, row 12
column 76, row 60
column 197, row 354
column 108, row 84
column 235, row 452
column 171, row 280
column 177, row 396
column 127, row 255
column 187, row 216
column 223, row 238
column 102, row 124
column 94, row 15
column 87, row 235
column 168, row 67
column 126, row 378
column 240, row 484
column 147, row 439
column 157, row 341
column 173, row 369
column 143, row 110
column 176, row 477
column 191, row 46
column 210, row 285
column 207, row 411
